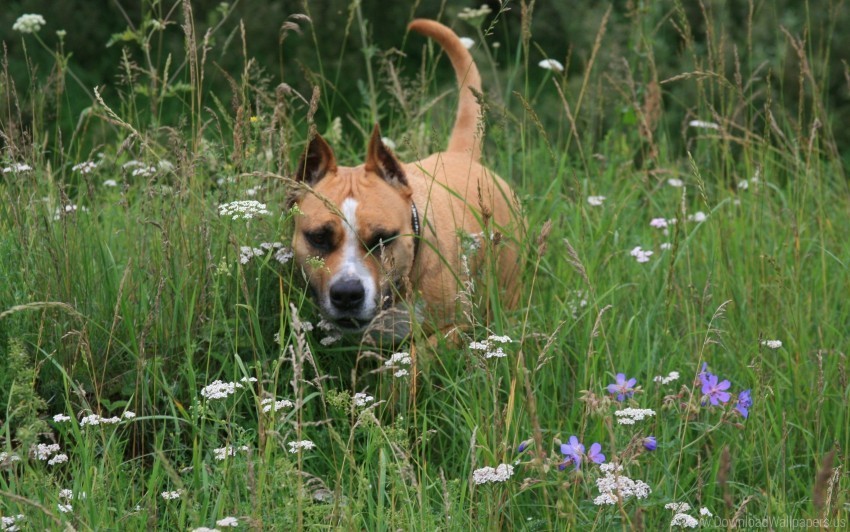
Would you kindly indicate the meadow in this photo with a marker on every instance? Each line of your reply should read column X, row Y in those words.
column 678, row 360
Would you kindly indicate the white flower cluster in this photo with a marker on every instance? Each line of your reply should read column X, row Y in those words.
column 362, row 399
column 595, row 201
column 577, row 302
column 68, row 495
column 703, row 124
column 60, row 458
column 500, row 473
column 144, row 171
column 65, row 508
column 68, row 209
column 552, row 64
column 244, row 210
column 94, row 419
column 171, row 495
column 10, row 523
column 677, row 507
column 17, row 168
column 9, row 458
column 490, row 350
column 270, row 405
column 282, row 254
column 640, row 254
column 29, row 23
column 772, row 344
column 222, row 453
column 615, row 487
column 698, row 216
column 675, row 183
column 220, row 390
column 469, row 14
column 672, row 376
column 684, row 521
column 228, row 522
column 628, row 416
column 44, row 451
column 295, row 446
column 84, row 167
column 61, row 418
column 399, row 359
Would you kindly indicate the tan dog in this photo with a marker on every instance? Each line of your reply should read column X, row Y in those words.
column 388, row 233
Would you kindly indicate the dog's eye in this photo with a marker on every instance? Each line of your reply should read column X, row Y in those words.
column 381, row 238
column 321, row 240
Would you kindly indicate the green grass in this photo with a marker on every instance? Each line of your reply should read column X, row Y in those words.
column 138, row 299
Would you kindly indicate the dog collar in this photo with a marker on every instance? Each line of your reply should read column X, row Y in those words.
column 414, row 221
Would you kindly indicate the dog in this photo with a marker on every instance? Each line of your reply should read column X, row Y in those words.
column 386, row 235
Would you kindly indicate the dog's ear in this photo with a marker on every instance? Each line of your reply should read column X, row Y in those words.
column 316, row 162
column 380, row 159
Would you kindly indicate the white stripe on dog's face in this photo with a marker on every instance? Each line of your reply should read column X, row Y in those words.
column 352, row 266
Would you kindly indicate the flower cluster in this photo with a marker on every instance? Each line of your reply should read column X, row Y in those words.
column 270, row 405
column 594, row 201
column 552, row 64
column 171, row 495
column 222, row 453
column 714, row 392
column 244, row 210
column 490, row 349
column 772, row 344
column 672, row 376
column 640, row 254
column 282, row 254
column 361, row 399
column 500, row 473
column 399, row 359
column 10, row 523
column 228, row 522
column 94, row 419
column 295, row 446
column 84, row 167
column 219, row 389
column 29, row 23
column 44, row 451
column 470, row 14
column 18, row 168
column 628, row 416
column 623, row 387
column 615, row 487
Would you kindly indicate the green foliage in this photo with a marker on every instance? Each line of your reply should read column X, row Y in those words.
column 125, row 293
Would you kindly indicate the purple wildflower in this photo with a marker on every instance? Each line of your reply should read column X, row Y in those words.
column 715, row 391
column 573, row 451
column 595, row 454
column 650, row 443
column 524, row 445
column 744, row 403
column 623, row 387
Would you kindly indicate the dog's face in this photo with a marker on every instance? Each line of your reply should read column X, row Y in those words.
column 354, row 237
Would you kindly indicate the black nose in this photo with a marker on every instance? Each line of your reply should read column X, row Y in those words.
column 347, row 294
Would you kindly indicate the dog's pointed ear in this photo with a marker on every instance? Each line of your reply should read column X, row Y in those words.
column 316, row 162
column 380, row 160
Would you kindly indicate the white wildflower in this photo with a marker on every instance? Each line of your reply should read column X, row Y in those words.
column 8, row 458
column 205, row 529
column 497, row 353
column 228, row 521
column 44, row 451
column 219, row 390
column 677, row 507
column 398, row 358
column 165, row 166
column 500, row 473
column 17, row 168
column 684, row 521
column 401, row 373
column 743, row 185
column 551, row 64
column 110, row 183
column 29, row 23
column 666, row 245
column 615, row 487
column 144, row 171
column 595, row 201
column 91, row 419
column 500, row 339
column 270, row 405
column 702, row 124
column 698, row 216
column 222, row 453
column 659, row 223
column 58, row 459
column 470, row 14
column 705, row 512
column 171, row 495
column 66, row 494
column 628, row 416
column 84, row 167
column 676, row 183
column 65, row 508
column 672, row 376
column 640, row 254
column 10, row 523
column 362, row 399
column 467, row 43
column 244, row 210
column 479, row 346
column 295, row 446
column 772, row 344
column 128, row 415
column 61, row 418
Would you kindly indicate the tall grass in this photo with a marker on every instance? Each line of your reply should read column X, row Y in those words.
column 128, row 298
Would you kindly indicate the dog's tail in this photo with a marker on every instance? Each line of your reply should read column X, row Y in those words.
column 465, row 138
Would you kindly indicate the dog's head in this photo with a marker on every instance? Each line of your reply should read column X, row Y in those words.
column 354, row 235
